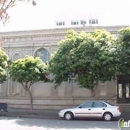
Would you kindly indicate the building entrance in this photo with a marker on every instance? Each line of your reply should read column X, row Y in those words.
column 123, row 89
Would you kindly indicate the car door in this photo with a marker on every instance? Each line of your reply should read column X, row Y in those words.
column 98, row 109
column 84, row 110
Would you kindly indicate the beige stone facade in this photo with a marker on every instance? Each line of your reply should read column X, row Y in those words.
column 19, row 44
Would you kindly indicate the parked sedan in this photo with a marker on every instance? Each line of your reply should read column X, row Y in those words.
column 91, row 109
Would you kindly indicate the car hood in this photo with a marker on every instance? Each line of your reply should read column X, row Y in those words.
column 67, row 109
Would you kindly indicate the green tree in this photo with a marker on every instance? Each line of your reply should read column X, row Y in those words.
column 90, row 56
column 28, row 71
column 123, row 43
column 3, row 65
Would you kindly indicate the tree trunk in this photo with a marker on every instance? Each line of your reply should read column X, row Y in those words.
column 92, row 92
column 31, row 100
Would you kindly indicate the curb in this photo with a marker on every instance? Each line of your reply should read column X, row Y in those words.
column 47, row 115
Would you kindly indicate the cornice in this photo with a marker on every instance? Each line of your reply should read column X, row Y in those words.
column 33, row 36
column 53, row 32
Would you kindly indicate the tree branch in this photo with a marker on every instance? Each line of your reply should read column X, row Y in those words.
column 2, row 20
column 24, row 86
column 31, row 84
column 11, row 2
column 3, row 4
column 3, row 15
column 96, row 84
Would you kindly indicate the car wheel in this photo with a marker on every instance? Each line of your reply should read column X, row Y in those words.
column 107, row 116
column 69, row 116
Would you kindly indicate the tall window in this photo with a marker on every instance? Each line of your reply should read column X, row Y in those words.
column 83, row 22
column 16, row 56
column 93, row 21
column 60, row 23
column 43, row 54
column 74, row 22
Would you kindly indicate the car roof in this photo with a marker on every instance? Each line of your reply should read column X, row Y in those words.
column 95, row 101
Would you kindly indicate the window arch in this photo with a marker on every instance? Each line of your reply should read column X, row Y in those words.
column 43, row 54
column 16, row 56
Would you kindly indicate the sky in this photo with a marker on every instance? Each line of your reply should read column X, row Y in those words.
column 42, row 16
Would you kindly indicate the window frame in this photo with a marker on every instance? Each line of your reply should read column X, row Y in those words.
column 83, row 22
column 93, row 20
column 39, row 55
column 74, row 21
column 60, row 23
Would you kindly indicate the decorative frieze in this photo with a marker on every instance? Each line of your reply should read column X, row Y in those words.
column 49, row 34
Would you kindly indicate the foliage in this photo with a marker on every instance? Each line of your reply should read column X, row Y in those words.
column 90, row 56
column 123, row 42
column 28, row 71
column 6, row 4
column 3, row 65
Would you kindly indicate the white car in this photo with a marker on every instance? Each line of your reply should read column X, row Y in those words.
column 91, row 109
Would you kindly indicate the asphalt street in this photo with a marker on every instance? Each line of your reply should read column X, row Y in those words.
column 7, row 123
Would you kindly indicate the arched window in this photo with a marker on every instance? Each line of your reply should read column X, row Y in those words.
column 16, row 56
column 15, row 89
column 43, row 54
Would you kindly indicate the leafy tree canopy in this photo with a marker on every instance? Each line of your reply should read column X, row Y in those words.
column 27, row 71
column 123, row 42
column 90, row 56
column 3, row 65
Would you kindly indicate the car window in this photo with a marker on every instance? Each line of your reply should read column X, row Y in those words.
column 99, row 104
column 86, row 105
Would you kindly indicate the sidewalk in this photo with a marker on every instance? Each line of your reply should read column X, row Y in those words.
column 44, row 114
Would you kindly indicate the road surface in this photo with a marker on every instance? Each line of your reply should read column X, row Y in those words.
column 7, row 123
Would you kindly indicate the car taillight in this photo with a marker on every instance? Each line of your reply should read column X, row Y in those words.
column 118, row 108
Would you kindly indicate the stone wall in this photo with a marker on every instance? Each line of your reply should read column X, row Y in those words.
column 46, row 96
